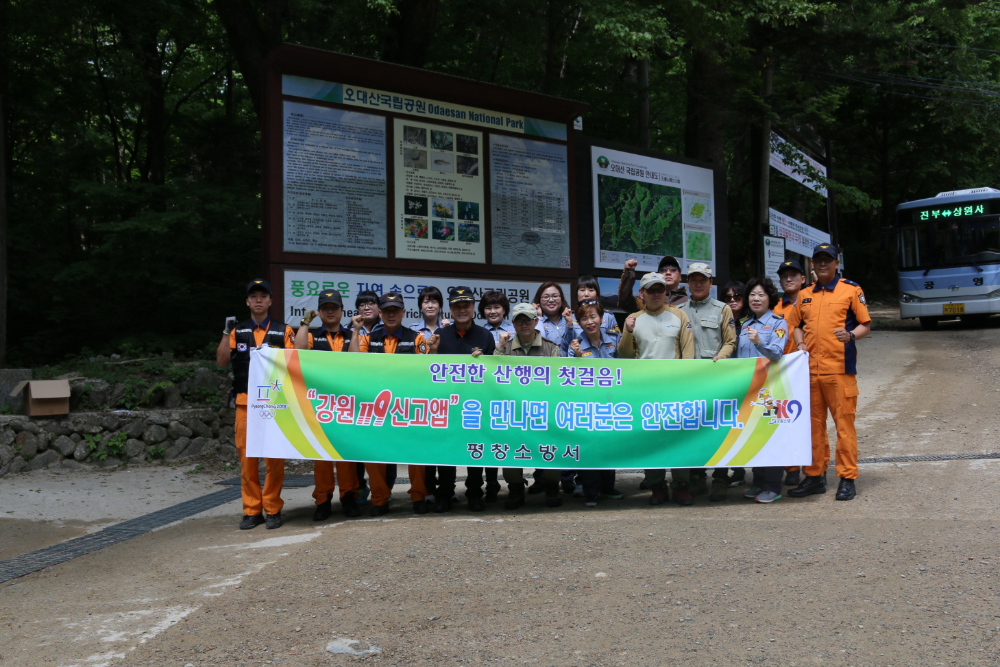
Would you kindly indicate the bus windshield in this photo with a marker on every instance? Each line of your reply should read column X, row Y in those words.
column 949, row 242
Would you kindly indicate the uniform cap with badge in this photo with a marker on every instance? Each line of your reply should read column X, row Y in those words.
column 260, row 285
column 331, row 296
column 391, row 300
column 790, row 265
column 825, row 249
column 651, row 279
column 523, row 310
column 461, row 294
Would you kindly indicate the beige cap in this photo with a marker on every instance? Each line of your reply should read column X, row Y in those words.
column 652, row 279
column 700, row 267
column 523, row 309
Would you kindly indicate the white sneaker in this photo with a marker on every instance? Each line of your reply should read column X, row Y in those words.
column 578, row 491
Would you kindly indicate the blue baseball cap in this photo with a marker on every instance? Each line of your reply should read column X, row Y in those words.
column 790, row 265
column 260, row 285
column 826, row 248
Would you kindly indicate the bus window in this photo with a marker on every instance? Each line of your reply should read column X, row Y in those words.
column 908, row 247
column 914, row 247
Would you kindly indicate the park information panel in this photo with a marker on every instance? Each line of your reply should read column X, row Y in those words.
column 383, row 176
column 645, row 208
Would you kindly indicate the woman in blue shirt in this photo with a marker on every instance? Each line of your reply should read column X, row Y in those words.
column 763, row 334
column 595, row 343
column 551, row 304
column 588, row 289
column 431, row 304
column 494, row 307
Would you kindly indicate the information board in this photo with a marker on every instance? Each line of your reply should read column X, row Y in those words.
column 529, row 187
column 302, row 290
column 334, row 181
column 774, row 255
column 439, row 193
column 799, row 237
column 646, row 208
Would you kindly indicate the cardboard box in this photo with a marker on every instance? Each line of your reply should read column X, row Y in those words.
column 44, row 397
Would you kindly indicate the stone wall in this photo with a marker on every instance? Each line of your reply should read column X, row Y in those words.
column 111, row 438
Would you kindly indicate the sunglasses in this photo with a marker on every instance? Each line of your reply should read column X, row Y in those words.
column 734, row 297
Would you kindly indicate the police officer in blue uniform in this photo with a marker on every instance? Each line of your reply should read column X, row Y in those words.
column 764, row 334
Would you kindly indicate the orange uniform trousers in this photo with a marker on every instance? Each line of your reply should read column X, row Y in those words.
column 839, row 395
column 380, row 487
column 255, row 498
column 347, row 473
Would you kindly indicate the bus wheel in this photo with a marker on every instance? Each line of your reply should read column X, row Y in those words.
column 928, row 323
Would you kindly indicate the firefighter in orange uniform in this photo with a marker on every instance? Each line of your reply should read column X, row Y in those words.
column 792, row 279
column 393, row 338
column 827, row 321
column 259, row 505
column 331, row 337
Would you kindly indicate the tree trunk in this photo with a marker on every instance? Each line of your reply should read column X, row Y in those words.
column 552, row 64
column 250, row 41
column 4, row 55
column 705, row 128
column 644, row 135
column 155, row 103
column 410, row 32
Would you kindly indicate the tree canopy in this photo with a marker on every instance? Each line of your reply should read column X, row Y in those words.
column 132, row 161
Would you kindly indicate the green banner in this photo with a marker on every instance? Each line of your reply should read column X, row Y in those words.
column 528, row 411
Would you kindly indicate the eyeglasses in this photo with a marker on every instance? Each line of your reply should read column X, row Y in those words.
column 552, row 298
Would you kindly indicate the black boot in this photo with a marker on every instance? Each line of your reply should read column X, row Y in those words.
column 323, row 511
column 349, row 503
column 845, row 490
column 809, row 486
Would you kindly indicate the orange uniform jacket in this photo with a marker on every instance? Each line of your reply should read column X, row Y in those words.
column 822, row 308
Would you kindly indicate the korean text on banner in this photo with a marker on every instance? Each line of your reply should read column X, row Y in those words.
column 542, row 413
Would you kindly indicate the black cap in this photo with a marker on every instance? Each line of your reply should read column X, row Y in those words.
column 331, row 296
column 391, row 300
column 790, row 264
column 668, row 261
column 258, row 285
column 830, row 250
column 460, row 294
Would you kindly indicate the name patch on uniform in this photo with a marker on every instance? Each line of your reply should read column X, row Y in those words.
column 807, row 300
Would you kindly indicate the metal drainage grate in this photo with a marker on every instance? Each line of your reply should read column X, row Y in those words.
column 930, row 457
column 40, row 559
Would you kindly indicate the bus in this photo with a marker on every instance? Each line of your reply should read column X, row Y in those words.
column 949, row 256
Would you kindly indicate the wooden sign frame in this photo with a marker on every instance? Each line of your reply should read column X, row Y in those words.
column 351, row 70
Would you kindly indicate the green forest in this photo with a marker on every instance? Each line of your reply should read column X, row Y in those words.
column 130, row 171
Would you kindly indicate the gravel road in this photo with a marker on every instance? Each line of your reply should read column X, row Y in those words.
column 903, row 575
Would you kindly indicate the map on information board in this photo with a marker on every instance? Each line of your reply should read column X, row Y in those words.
column 639, row 217
column 646, row 208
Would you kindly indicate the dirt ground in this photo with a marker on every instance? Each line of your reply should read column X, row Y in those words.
column 903, row 575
